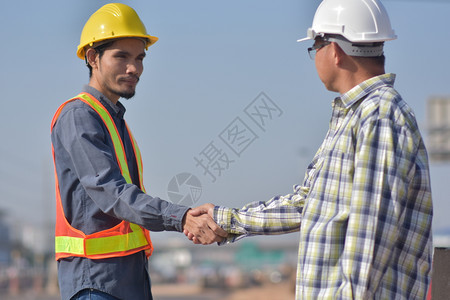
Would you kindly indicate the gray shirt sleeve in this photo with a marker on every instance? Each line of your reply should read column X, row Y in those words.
column 91, row 182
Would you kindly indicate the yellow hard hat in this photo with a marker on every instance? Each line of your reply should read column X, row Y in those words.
column 112, row 21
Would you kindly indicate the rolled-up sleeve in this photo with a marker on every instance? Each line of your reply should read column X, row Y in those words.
column 279, row 215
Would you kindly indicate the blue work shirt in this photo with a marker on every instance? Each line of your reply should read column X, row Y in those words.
column 95, row 196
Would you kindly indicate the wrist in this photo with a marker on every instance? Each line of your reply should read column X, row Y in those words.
column 183, row 221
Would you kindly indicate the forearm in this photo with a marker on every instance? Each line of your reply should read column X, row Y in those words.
column 280, row 215
column 117, row 200
column 150, row 212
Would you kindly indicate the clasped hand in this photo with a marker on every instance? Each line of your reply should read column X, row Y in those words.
column 199, row 226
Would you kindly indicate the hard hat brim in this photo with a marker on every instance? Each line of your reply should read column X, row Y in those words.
column 310, row 35
column 304, row 39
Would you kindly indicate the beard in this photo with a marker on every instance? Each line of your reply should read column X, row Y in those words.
column 126, row 94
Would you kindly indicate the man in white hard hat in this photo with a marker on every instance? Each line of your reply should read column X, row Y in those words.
column 364, row 209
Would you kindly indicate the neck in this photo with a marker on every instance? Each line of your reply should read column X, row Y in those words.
column 111, row 96
column 349, row 78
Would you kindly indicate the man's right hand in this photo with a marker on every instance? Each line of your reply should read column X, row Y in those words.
column 200, row 228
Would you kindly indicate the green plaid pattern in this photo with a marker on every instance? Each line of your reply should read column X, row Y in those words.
column 364, row 210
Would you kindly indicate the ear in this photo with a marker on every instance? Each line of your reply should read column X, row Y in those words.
column 339, row 54
column 91, row 57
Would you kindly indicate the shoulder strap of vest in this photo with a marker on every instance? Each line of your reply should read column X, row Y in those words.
column 137, row 153
column 113, row 132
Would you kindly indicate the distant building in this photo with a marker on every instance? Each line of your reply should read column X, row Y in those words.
column 438, row 125
column 5, row 244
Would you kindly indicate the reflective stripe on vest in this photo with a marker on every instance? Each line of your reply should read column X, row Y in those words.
column 123, row 239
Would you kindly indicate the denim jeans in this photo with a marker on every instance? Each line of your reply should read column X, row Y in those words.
column 91, row 294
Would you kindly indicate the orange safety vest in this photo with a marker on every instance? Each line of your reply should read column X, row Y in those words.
column 123, row 239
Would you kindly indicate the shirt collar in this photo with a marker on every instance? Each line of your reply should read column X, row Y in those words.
column 117, row 110
column 366, row 87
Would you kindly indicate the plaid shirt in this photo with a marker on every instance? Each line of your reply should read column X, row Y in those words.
column 364, row 209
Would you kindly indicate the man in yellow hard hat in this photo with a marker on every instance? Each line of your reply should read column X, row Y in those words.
column 103, row 215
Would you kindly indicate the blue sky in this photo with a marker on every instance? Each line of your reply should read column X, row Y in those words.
column 212, row 61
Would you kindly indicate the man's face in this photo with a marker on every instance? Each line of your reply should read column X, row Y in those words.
column 117, row 72
column 324, row 63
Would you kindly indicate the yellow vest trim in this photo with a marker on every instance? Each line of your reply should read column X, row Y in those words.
column 117, row 243
column 102, row 245
column 67, row 244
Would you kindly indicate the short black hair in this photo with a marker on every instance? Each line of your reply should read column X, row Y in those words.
column 377, row 60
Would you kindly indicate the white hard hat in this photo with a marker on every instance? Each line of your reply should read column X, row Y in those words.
column 359, row 21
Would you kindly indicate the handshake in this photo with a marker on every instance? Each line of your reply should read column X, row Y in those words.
column 200, row 227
